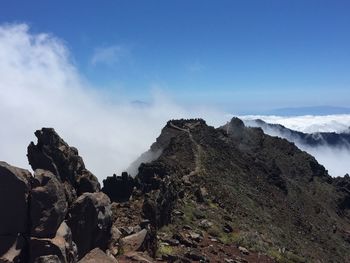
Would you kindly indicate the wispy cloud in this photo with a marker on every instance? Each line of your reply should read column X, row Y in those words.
column 41, row 87
column 109, row 55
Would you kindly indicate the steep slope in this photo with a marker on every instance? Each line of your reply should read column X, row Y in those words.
column 276, row 198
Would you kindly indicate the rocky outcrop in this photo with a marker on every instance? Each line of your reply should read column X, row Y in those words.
column 90, row 219
column 48, row 205
column 118, row 188
column 53, row 154
column 33, row 221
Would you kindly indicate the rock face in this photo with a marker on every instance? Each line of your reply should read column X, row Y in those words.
column 118, row 188
column 90, row 219
column 14, row 206
column 54, row 154
column 14, row 188
column 48, row 205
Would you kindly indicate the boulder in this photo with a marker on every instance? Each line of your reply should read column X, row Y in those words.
column 86, row 182
column 139, row 257
column 12, row 248
column 48, row 205
column 14, row 188
column 133, row 242
column 53, row 154
column 48, row 250
column 97, row 255
column 90, row 219
column 118, row 188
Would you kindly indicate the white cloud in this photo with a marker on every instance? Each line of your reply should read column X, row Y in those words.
column 308, row 123
column 40, row 87
column 109, row 55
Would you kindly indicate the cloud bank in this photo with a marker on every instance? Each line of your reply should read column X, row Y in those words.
column 41, row 87
column 308, row 123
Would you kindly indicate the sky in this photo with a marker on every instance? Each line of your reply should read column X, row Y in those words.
column 239, row 56
column 108, row 76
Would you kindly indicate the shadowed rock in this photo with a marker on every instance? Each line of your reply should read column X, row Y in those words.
column 14, row 192
column 12, row 249
column 53, row 154
column 48, row 250
column 90, row 219
column 118, row 188
column 48, row 205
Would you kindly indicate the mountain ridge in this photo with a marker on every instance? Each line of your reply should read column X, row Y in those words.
column 231, row 194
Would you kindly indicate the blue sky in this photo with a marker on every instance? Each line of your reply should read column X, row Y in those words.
column 239, row 55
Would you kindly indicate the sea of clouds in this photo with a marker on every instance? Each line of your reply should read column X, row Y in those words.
column 335, row 159
column 40, row 86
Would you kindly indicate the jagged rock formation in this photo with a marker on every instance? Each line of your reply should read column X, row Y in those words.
column 36, row 222
column 231, row 194
column 54, row 154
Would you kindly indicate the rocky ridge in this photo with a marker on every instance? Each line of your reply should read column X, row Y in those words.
column 231, row 194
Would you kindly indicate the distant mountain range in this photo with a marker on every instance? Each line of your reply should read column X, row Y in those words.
column 331, row 139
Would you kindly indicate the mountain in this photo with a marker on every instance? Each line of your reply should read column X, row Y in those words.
column 227, row 194
column 331, row 139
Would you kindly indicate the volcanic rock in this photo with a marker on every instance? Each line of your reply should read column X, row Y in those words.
column 133, row 242
column 48, row 250
column 53, row 154
column 97, row 255
column 118, row 188
column 90, row 219
column 12, row 249
column 14, row 195
column 48, row 205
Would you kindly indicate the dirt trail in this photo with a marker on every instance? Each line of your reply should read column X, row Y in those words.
column 199, row 151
